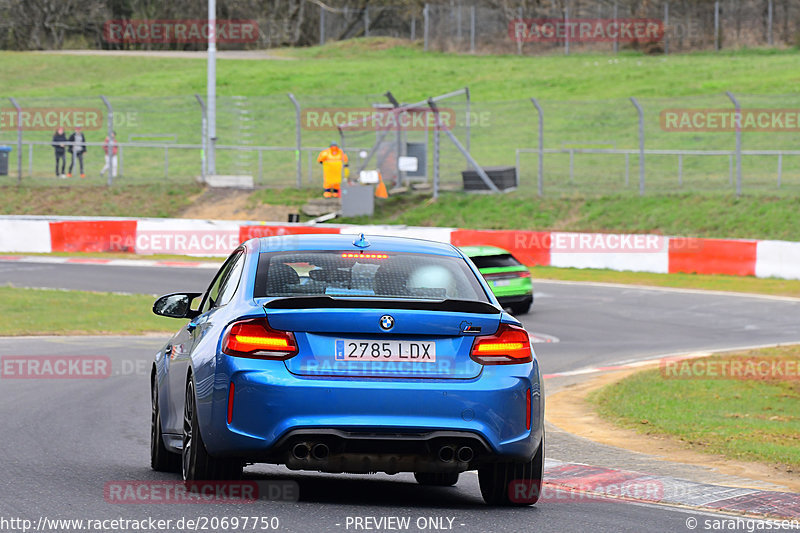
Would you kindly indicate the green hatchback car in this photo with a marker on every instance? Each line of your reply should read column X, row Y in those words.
column 509, row 279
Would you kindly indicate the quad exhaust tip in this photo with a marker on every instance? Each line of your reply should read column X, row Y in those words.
column 465, row 454
column 300, row 451
column 320, row 451
column 446, row 454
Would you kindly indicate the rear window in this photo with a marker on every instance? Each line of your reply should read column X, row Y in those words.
column 495, row 261
column 367, row 275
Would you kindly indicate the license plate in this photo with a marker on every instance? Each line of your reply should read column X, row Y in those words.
column 502, row 283
column 411, row 351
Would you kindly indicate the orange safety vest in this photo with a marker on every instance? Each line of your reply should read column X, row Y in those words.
column 332, row 160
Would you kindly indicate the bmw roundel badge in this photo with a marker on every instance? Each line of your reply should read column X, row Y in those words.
column 387, row 322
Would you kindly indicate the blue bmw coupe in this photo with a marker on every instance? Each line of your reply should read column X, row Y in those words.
column 356, row 354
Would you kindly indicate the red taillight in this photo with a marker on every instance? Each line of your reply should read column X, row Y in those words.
column 254, row 338
column 230, row 402
column 508, row 275
column 509, row 345
column 527, row 409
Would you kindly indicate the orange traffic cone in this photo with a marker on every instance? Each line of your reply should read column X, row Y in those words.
column 380, row 190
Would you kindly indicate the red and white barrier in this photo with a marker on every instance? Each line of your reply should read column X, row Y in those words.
column 215, row 238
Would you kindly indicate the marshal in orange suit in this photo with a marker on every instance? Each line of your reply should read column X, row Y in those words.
column 332, row 159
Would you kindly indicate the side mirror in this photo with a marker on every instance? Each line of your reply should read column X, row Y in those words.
column 177, row 305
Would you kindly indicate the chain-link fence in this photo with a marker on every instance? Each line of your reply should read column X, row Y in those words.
column 521, row 26
column 571, row 25
column 587, row 147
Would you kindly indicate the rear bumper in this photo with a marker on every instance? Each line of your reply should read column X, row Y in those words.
column 507, row 301
column 273, row 410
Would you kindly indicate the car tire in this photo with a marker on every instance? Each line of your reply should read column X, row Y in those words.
column 161, row 459
column 522, row 308
column 196, row 463
column 436, row 479
column 495, row 480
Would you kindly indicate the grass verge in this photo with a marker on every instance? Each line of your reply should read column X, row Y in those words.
column 692, row 215
column 51, row 312
column 155, row 200
column 769, row 286
column 753, row 419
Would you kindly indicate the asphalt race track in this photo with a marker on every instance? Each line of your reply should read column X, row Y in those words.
column 63, row 441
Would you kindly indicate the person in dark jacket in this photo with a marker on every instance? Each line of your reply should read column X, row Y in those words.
column 77, row 149
column 60, row 147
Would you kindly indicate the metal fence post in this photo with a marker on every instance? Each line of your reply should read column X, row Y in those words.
column 738, row 142
column 519, row 41
column 666, row 28
column 414, row 28
column 641, row 144
column 469, row 118
column 540, row 177
column 769, row 22
column 436, row 129
column 566, row 32
column 716, row 25
column 366, row 21
column 110, row 121
column 297, row 140
column 204, row 127
column 472, row 29
column 780, row 168
column 616, row 25
column 19, row 138
column 321, row 25
column 426, row 24
column 459, row 33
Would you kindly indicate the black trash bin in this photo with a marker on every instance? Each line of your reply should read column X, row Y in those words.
column 4, row 153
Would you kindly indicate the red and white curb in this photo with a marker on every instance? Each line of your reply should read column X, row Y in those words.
column 591, row 483
column 629, row 252
column 109, row 262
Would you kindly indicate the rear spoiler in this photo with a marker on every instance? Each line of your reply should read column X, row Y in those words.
column 327, row 302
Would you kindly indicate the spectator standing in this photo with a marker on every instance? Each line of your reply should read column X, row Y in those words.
column 60, row 147
column 77, row 148
column 110, row 148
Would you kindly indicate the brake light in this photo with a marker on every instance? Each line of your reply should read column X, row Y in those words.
column 364, row 256
column 508, row 275
column 508, row 345
column 254, row 338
